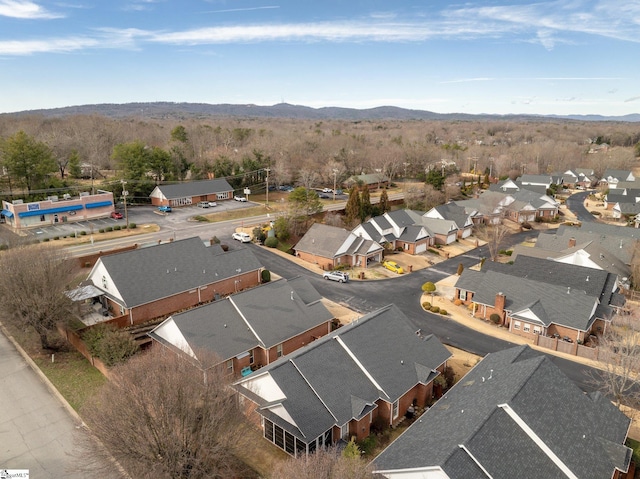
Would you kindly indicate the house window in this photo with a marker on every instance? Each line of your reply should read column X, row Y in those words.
column 344, row 432
column 279, row 350
column 462, row 295
column 406, row 246
column 516, row 325
column 251, row 358
column 268, row 430
column 526, row 328
column 230, row 365
column 537, row 330
column 396, row 408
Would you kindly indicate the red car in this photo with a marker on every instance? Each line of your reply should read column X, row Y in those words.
column 116, row 216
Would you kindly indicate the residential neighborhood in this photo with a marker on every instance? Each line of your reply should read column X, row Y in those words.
column 451, row 342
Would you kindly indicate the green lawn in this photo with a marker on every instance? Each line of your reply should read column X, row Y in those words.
column 635, row 445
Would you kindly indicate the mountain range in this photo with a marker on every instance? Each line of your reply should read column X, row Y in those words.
column 285, row 110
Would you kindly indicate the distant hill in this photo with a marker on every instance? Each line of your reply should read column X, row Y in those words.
column 284, row 110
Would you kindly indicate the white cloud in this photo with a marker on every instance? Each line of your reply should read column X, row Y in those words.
column 25, row 9
column 60, row 45
column 247, row 9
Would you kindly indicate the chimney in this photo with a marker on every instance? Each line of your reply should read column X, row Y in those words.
column 572, row 242
column 500, row 302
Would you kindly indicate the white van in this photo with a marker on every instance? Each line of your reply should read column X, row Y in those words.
column 203, row 204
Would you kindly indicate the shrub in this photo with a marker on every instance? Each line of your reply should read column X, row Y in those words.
column 56, row 238
column 443, row 312
column 45, row 240
column 4, row 247
column 435, row 309
column 132, row 226
column 457, row 302
column 271, row 242
column 101, row 230
column 495, row 318
column 400, row 249
column 265, row 275
column 111, row 345
column 83, row 233
column 426, row 305
column 108, row 228
column 117, row 228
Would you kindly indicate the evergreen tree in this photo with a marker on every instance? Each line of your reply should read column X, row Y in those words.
column 75, row 171
column 365, row 204
column 352, row 209
column 384, row 202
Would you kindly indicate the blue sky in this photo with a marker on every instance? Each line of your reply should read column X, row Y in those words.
column 546, row 57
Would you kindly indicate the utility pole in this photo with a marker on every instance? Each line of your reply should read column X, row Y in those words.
column 124, row 197
column 335, row 177
column 405, row 175
column 267, row 170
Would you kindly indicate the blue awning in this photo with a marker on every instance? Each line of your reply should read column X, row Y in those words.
column 50, row 211
column 99, row 204
column 7, row 213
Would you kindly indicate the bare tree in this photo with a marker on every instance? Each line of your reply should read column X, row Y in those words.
column 32, row 286
column 494, row 236
column 619, row 354
column 323, row 464
column 162, row 417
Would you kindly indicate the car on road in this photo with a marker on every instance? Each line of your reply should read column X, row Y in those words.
column 203, row 204
column 327, row 190
column 322, row 196
column 339, row 192
column 116, row 215
column 393, row 266
column 239, row 198
column 242, row 237
column 164, row 209
column 339, row 276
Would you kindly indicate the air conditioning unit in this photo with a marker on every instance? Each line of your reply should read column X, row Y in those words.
column 66, row 196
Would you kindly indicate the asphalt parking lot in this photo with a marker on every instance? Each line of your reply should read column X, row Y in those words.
column 143, row 214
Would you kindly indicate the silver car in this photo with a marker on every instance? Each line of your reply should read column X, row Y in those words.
column 336, row 276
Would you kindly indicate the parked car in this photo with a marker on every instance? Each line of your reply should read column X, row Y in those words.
column 213, row 204
column 242, row 237
column 164, row 209
column 116, row 215
column 239, row 198
column 339, row 192
column 203, row 204
column 323, row 196
column 327, row 190
column 339, row 276
column 393, row 266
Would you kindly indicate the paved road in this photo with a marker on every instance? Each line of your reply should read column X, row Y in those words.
column 36, row 431
column 576, row 204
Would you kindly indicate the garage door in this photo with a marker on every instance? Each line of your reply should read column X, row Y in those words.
column 421, row 248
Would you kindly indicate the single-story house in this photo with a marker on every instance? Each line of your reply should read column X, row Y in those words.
column 249, row 329
column 372, row 181
column 330, row 247
column 538, row 296
column 55, row 210
column 192, row 192
column 367, row 372
column 614, row 177
column 453, row 212
column 158, row 280
column 515, row 414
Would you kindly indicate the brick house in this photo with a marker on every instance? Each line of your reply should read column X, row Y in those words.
column 452, row 212
column 539, row 296
column 373, row 181
column 330, row 247
column 155, row 281
column 250, row 329
column 337, row 387
column 515, row 414
column 192, row 192
column 407, row 229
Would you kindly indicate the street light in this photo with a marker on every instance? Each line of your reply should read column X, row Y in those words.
column 124, row 196
column 335, row 177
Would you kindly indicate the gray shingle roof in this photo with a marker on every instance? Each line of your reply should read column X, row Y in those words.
column 386, row 347
column 148, row 274
column 322, row 240
column 195, row 188
column 263, row 316
column 481, row 416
